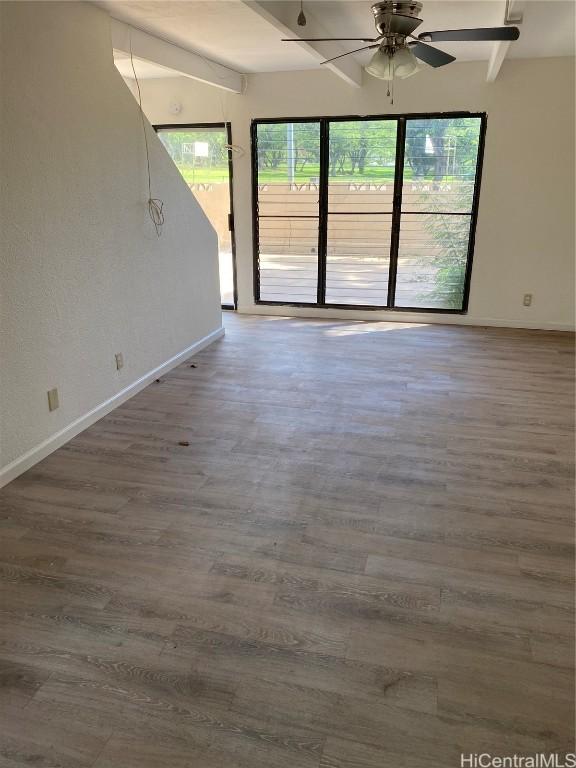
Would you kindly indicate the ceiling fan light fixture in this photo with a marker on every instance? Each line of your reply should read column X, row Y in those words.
column 402, row 64
column 380, row 66
column 405, row 63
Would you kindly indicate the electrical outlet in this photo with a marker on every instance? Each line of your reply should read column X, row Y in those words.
column 527, row 299
column 119, row 360
column 53, row 401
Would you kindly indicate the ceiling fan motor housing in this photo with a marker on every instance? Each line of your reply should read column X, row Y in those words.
column 397, row 18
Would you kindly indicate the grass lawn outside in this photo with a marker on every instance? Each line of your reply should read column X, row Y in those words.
column 310, row 173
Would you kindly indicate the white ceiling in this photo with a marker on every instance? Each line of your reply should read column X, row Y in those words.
column 226, row 31
column 231, row 33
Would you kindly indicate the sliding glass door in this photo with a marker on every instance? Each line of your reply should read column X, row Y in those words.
column 366, row 212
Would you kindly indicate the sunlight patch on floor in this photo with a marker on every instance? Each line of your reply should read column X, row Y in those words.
column 357, row 330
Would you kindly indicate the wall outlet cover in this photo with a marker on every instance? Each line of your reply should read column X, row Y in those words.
column 53, row 400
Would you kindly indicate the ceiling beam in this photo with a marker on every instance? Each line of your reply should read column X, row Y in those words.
column 281, row 16
column 149, row 48
column 513, row 13
column 499, row 52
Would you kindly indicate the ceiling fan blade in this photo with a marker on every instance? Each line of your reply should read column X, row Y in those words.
column 488, row 33
column 433, row 56
column 330, row 39
column 365, row 48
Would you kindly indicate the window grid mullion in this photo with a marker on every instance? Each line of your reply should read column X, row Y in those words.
column 323, row 211
column 396, row 210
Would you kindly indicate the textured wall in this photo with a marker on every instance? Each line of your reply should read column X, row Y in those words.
column 83, row 274
column 525, row 235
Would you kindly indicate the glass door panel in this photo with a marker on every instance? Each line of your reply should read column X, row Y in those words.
column 202, row 157
column 358, row 259
column 287, row 199
column 440, row 160
column 362, row 161
column 432, row 257
column 288, row 259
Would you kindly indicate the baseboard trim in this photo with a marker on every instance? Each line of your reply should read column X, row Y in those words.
column 429, row 318
column 528, row 325
column 34, row 455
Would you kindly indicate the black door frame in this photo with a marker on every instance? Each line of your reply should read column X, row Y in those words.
column 324, row 123
column 228, row 128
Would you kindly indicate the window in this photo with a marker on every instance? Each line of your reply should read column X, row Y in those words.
column 372, row 212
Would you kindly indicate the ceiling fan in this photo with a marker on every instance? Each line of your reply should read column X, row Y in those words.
column 398, row 50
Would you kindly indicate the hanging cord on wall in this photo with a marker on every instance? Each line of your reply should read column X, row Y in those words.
column 212, row 65
column 155, row 206
column 233, row 148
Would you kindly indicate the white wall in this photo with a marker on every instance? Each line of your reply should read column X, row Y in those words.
column 82, row 272
column 525, row 234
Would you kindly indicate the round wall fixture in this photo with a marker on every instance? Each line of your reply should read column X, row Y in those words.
column 175, row 108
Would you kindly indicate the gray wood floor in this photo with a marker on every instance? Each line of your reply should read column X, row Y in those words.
column 362, row 559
